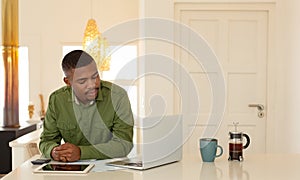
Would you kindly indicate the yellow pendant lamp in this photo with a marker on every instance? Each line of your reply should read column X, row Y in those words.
column 96, row 46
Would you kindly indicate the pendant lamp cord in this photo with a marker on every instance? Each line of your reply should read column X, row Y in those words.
column 91, row 4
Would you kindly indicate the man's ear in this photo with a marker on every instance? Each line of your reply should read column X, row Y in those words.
column 66, row 80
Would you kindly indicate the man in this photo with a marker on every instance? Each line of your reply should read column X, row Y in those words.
column 93, row 117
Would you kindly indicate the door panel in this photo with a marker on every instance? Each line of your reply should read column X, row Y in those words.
column 239, row 39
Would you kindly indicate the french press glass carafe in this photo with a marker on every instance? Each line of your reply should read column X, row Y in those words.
column 236, row 144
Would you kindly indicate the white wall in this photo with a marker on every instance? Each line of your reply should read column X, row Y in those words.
column 288, row 43
column 159, row 96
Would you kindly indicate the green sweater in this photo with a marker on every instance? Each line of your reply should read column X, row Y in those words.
column 103, row 129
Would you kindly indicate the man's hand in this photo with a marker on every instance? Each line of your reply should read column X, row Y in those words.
column 66, row 152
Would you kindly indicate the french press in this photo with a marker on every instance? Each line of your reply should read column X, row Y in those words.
column 236, row 145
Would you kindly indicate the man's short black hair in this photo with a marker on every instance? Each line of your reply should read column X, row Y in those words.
column 76, row 59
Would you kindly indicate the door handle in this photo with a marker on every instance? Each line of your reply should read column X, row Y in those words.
column 260, row 107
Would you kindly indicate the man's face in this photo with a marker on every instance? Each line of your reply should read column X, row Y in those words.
column 85, row 82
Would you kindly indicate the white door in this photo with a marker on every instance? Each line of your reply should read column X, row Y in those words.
column 240, row 40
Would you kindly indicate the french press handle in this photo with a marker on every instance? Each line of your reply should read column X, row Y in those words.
column 248, row 141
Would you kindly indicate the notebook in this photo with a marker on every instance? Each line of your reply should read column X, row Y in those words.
column 161, row 143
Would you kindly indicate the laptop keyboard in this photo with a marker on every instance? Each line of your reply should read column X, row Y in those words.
column 135, row 164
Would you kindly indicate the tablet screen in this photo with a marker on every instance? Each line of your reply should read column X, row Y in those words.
column 64, row 168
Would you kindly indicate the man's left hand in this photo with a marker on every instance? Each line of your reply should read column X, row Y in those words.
column 68, row 152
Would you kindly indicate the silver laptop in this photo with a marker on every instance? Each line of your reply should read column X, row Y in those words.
column 161, row 143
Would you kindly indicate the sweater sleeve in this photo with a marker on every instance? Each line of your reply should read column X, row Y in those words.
column 50, row 136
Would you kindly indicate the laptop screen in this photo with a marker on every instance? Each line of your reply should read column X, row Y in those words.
column 161, row 136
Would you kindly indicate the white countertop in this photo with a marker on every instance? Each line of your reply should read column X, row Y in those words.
column 256, row 166
column 33, row 136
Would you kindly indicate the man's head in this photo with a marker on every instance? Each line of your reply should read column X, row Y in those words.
column 82, row 75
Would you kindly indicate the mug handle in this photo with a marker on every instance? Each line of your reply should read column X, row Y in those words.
column 221, row 151
column 248, row 141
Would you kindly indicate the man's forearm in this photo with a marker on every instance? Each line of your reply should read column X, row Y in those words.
column 112, row 149
column 46, row 147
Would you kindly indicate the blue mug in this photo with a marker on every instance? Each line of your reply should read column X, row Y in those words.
column 208, row 149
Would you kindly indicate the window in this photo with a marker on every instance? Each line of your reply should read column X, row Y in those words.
column 23, row 85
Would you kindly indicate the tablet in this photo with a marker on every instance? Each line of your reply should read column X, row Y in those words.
column 64, row 168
